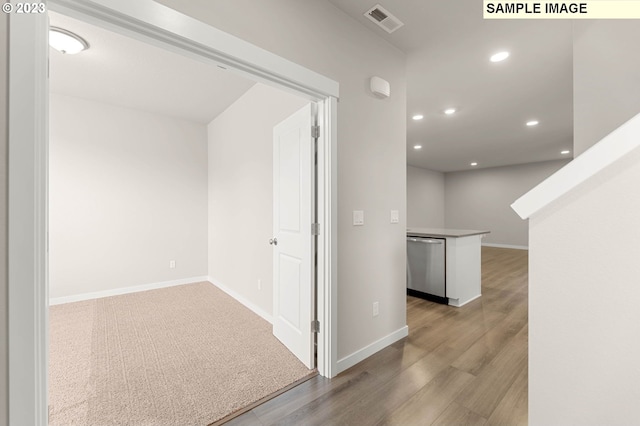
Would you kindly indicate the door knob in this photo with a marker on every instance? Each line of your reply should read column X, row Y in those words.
column 273, row 241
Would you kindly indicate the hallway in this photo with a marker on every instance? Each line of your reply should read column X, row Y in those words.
column 457, row 366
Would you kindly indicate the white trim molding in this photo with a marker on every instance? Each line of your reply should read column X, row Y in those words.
column 243, row 300
column 28, row 212
column 326, row 250
column 124, row 290
column 509, row 246
column 611, row 148
column 456, row 302
column 364, row 353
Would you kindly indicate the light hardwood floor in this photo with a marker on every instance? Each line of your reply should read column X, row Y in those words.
column 458, row 366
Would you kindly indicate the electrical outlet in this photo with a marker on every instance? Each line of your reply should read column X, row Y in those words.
column 172, row 264
column 259, row 284
column 376, row 309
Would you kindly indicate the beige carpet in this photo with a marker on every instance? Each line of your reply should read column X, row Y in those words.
column 186, row 355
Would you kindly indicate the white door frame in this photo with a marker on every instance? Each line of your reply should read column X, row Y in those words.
column 28, row 170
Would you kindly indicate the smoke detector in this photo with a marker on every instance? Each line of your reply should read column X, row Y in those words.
column 382, row 18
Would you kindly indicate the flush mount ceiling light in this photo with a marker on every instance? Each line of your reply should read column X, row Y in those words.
column 417, row 147
column 450, row 111
column 418, row 117
column 66, row 42
column 565, row 152
column 532, row 123
column 474, row 164
column 499, row 57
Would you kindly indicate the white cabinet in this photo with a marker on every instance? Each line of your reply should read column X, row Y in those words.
column 463, row 269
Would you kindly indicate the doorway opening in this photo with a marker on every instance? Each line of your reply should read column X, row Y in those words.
column 155, row 180
column 30, row 303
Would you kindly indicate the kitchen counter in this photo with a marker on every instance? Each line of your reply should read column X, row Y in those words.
column 463, row 261
column 442, row 233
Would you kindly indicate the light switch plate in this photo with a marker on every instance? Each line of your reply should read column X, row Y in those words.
column 358, row 217
column 395, row 216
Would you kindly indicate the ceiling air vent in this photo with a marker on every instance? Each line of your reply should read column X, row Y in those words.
column 381, row 17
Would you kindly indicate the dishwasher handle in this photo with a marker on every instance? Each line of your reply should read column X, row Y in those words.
column 424, row 241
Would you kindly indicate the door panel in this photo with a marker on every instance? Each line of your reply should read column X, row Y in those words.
column 293, row 243
column 290, row 277
column 289, row 180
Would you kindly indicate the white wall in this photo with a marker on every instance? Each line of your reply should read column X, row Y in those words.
column 481, row 199
column 128, row 193
column 606, row 78
column 583, row 259
column 371, row 147
column 241, row 193
column 425, row 198
column 584, row 319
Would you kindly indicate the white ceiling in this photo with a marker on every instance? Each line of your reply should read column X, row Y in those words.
column 122, row 71
column 448, row 45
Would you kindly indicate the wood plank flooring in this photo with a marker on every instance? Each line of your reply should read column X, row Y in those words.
column 458, row 366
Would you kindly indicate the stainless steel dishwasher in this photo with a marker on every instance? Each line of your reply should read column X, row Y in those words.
column 426, row 276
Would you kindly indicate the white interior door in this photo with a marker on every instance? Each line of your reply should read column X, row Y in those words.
column 293, row 186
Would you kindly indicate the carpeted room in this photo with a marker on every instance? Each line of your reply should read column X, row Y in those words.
column 143, row 197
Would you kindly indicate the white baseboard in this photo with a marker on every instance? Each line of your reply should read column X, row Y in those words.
column 367, row 351
column 124, row 290
column 240, row 298
column 458, row 305
column 509, row 246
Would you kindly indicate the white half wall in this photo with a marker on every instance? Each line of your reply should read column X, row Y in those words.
column 584, row 319
column 425, row 198
column 241, row 193
column 606, row 86
column 128, row 194
column 481, row 199
column 371, row 146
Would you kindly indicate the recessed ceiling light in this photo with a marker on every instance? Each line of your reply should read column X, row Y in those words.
column 474, row 164
column 500, row 56
column 565, row 152
column 418, row 117
column 417, row 147
column 66, row 42
column 449, row 111
column 532, row 123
